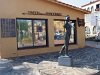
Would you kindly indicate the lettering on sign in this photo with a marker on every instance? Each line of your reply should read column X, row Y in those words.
column 40, row 13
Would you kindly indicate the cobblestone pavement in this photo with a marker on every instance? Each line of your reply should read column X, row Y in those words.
column 85, row 60
column 85, row 57
column 93, row 44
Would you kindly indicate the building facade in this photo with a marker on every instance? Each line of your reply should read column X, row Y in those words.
column 92, row 20
column 36, row 26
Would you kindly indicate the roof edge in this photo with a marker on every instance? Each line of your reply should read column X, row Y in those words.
column 70, row 6
column 90, row 3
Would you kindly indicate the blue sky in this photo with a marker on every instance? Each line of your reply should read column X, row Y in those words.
column 77, row 3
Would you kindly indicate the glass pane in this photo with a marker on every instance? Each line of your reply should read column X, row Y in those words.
column 39, row 32
column 94, row 30
column 24, row 33
column 58, row 32
column 72, row 33
column 87, row 30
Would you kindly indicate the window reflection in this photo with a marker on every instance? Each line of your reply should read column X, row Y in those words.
column 59, row 32
column 24, row 33
column 31, row 33
column 39, row 32
column 72, row 33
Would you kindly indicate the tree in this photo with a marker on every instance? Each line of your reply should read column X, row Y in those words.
column 22, row 25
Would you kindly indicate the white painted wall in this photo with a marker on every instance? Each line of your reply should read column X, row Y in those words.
column 92, row 19
column 89, row 6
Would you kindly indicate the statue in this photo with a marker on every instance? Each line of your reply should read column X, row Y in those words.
column 67, row 26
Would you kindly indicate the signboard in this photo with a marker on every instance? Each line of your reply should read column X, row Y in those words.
column 40, row 13
column 8, row 27
column 80, row 22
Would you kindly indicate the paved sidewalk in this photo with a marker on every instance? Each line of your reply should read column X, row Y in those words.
column 85, row 62
column 93, row 44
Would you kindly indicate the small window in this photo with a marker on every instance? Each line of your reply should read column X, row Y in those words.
column 97, row 6
column 92, row 9
column 87, row 30
column 88, row 9
column 94, row 30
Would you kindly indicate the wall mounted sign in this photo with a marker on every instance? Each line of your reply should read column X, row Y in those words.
column 8, row 27
column 40, row 13
column 80, row 22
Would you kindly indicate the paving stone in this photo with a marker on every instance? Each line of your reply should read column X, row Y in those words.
column 51, row 68
column 5, row 65
column 87, row 57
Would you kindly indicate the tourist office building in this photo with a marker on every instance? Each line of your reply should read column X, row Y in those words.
column 30, row 27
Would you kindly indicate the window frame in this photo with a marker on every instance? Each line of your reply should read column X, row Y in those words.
column 75, row 32
column 87, row 30
column 97, row 6
column 92, row 9
column 88, row 9
column 33, row 47
column 94, row 30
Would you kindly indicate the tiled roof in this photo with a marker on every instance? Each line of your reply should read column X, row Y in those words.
column 70, row 6
column 90, row 3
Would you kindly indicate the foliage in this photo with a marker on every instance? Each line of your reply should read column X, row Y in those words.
column 22, row 25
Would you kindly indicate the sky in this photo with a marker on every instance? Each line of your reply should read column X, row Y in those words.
column 77, row 3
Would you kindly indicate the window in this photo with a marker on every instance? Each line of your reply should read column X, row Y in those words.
column 39, row 28
column 88, row 9
column 97, row 6
column 92, row 9
column 31, row 33
column 94, row 30
column 24, row 33
column 59, row 32
column 87, row 30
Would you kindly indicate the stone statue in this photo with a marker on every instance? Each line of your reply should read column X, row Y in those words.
column 67, row 26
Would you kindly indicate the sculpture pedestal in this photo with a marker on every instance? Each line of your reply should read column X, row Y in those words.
column 64, row 61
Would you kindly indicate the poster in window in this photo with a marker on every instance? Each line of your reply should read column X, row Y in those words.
column 39, row 29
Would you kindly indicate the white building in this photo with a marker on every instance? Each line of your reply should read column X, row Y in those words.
column 92, row 20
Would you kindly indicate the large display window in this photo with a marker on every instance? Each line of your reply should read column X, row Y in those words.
column 31, row 33
column 59, row 32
